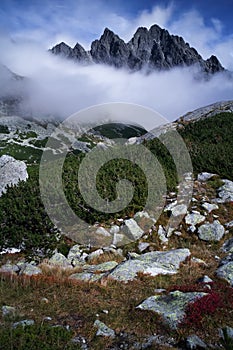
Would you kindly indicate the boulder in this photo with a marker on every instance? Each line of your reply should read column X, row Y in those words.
column 10, row 268
column 11, row 172
column 132, row 229
column 211, row 232
column 76, row 256
column 202, row 177
column 153, row 263
column 171, row 306
column 30, row 270
column 60, row 260
column 106, row 266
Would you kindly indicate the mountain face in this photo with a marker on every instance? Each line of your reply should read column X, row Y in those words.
column 153, row 49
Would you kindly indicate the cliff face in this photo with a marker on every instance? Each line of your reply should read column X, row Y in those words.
column 153, row 49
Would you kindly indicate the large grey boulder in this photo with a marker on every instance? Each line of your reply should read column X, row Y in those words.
column 211, row 232
column 209, row 207
column 11, row 172
column 153, row 263
column 171, row 306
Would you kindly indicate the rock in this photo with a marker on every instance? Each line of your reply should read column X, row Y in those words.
column 229, row 224
column 194, row 219
column 132, row 229
column 95, row 254
column 8, row 310
column 211, row 232
column 226, row 192
column 153, row 263
column 198, row 261
column 104, row 330
column 209, row 207
column 101, row 231
column 120, row 239
column 86, row 276
column 205, row 279
column 193, row 342
column 162, row 235
column 225, row 270
column 228, row 246
column 30, row 270
column 171, row 307
column 180, row 209
column 76, row 256
column 23, row 323
column 114, row 229
column 142, row 214
column 152, row 49
column 10, row 268
column 81, row 341
column 143, row 246
column 59, row 259
column 11, row 172
column 106, row 266
column 202, row 177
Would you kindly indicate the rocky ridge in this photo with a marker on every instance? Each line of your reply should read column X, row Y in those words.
column 149, row 49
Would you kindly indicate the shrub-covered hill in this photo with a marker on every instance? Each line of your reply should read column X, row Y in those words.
column 24, row 222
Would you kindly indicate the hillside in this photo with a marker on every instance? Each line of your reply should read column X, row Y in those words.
column 130, row 279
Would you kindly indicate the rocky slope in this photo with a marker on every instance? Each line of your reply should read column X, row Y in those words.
column 153, row 49
column 151, row 286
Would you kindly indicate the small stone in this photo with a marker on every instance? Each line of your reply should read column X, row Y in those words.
column 132, row 229
column 104, row 330
column 23, row 323
column 205, row 279
column 8, row 310
column 209, row 207
column 114, row 229
column 162, row 235
column 193, row 342
column 143, row 246
column 103, row 232
column 194, row 219
column 228, row 246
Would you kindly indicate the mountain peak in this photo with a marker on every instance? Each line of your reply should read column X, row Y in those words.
column 153, row 49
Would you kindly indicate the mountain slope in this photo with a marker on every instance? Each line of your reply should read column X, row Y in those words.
column 152, row 49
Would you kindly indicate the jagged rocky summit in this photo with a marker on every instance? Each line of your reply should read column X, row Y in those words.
column 153, row 49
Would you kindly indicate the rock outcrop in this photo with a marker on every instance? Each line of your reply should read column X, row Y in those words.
column 153, row 49
column 11, row 172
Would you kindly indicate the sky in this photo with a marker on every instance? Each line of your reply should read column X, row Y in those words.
column 28, row 28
